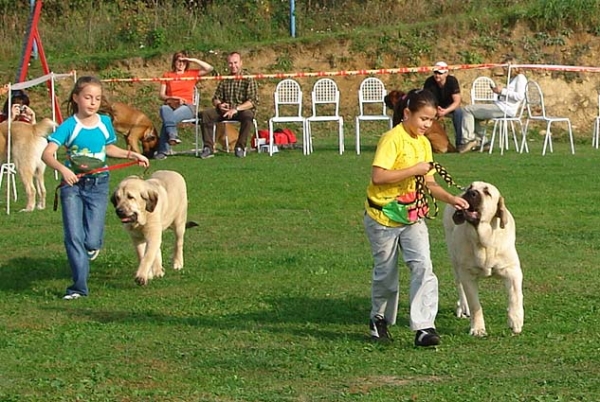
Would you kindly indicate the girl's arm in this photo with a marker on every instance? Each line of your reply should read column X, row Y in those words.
column 438, row 192
column 204, row 66
column 49, row 158
column 115, row 152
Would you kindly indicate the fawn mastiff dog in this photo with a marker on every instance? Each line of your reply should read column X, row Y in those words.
column 136, row 127
column 27, row 145
column 147, row 208
column 440, row 143
column 481, row 244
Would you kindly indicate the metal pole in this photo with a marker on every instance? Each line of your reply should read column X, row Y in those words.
column 293, row 18
column 34, row 51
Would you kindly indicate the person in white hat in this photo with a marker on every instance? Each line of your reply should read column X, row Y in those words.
column 446, row 89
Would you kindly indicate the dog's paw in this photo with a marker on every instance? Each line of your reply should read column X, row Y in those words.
column 516, row 327
column 177, row 265
column 478, row 332
column 140, row 280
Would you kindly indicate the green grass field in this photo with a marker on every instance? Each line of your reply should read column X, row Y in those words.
column 274, row 299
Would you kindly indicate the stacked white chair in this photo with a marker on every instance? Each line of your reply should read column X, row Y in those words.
column 288, row 94
column 371, row 92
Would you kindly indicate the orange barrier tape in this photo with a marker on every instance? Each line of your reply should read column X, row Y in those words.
column 343, row 73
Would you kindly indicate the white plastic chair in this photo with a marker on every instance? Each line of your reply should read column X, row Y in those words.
column 536, row 111
column 325, row 96
column 596, row 133
column 288, row 95
column 501, row 126
column 196, row 120
column 371, row 92
column 481, row 90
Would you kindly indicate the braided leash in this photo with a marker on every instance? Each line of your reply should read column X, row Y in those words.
column 422, row 195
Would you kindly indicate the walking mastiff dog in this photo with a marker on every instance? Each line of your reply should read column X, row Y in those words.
column 147, row 208
column 481, row 243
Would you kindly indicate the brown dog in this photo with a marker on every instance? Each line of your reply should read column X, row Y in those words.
column 28, row 141
column 227, row 134
column 136, row 127
column 440, row 143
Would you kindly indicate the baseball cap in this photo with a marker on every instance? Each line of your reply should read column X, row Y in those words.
column 440, row 67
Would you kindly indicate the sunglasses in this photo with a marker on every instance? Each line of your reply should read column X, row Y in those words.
column 439, row 73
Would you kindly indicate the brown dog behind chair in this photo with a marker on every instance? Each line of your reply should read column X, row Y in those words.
column 440, row 143
column 136, row 127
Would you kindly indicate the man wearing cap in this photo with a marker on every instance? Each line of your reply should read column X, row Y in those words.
column 446, row 89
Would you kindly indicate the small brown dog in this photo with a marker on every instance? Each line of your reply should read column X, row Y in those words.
column 227, row 134
column 136, row 127
column 440, row 143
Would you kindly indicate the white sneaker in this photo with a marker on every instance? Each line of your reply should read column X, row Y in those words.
column 72, row 296
column 93, row 254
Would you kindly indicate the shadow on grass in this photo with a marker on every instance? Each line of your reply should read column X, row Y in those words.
column 20, row 273
column 323, row 318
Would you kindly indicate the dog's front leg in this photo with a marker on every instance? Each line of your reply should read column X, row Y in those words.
column 514, row 283
column 471, row 289
column 462, row 307
column 147, row 256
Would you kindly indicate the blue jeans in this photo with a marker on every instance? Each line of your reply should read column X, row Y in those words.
column 83, row 212
column 457, row 121
column 413, row 242
column 170, row 119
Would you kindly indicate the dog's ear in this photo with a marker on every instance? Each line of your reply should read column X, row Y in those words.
column 458, row 217
column 501, row 213
column 151, row 198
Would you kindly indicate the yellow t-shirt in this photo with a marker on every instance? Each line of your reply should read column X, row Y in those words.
column 396, row 150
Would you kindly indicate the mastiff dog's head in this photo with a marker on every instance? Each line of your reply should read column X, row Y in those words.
column 485, row 204
column 133, row 199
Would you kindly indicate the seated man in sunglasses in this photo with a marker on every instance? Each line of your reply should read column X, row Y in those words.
column 446, row 89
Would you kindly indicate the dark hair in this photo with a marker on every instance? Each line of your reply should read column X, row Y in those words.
column 177, row 56
column 82, row 82
column 18, row 96
column 414, row 100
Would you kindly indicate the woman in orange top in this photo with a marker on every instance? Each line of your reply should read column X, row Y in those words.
column 178, row 95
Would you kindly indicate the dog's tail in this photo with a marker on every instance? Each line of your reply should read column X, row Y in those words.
column 44, row 127
column 190, row 224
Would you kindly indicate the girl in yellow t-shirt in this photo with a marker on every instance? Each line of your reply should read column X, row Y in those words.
column 402, row 154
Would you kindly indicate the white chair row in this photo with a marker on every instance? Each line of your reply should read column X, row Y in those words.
column 481, row 92
column 325, row 99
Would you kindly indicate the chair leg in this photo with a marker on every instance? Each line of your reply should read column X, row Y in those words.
column 571, row 137
column 341, row 136
column 271, row 138
column 596, row 135
column 357, row 136
column 547, row 139
column 524, row 146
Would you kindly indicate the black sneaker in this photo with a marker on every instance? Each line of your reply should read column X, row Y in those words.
column 427, row 337
column 379, row 330
column 206, row 153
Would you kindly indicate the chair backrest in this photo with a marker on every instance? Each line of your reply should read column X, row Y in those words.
column 325, row 92
column 371, row 91
column 534, row 98
column 288, row 93
column 481, row 90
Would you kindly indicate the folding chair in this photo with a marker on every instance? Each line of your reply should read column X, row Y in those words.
column 481, row 91
column 501, row 126
column 325, row 97
column 196, row 120
column 536, row 111
column 288, row 96
column 371, row 92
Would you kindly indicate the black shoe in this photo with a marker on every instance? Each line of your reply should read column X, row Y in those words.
column 240, row 153
column 379, row 330
column 427, row 337
column 206, row 153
